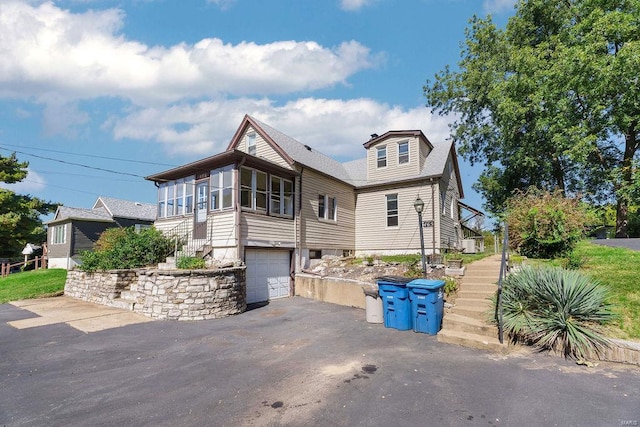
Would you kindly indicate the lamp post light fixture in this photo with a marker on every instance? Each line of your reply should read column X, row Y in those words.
column 419, row 207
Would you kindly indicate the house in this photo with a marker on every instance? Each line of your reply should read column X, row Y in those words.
column 73, row 230
column 278, row 204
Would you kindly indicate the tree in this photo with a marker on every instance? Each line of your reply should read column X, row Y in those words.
column 551, row 101
column 20, row 221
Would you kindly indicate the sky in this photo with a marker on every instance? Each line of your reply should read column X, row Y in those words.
column 97, row 94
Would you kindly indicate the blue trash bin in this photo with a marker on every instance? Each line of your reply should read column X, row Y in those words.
column 396, row 306
column 427, row 305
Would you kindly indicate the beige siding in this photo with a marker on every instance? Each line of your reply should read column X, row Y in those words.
column 326, row 234
column 168, row 225
column 450, row 228
column 424, row 152
column 373, row 235
column 221, row 231
column 267, row 231
column 263, row 148
column 393, row 170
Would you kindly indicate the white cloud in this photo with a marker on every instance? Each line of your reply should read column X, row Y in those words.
column 498, row 6
column 32, row 183
column 354, row 4
column 51, row 52
column 337, row 128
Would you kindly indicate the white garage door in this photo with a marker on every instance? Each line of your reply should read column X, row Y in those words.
column 267, row 274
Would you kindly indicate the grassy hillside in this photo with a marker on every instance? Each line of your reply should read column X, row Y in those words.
column 618, row 269
column 32, row 284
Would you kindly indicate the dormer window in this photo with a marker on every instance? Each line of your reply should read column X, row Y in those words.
column 381, row 155
column 251, row 143
column 403, row 152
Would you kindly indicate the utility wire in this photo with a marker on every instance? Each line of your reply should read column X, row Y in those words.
column 88, row 155
column 75, row 164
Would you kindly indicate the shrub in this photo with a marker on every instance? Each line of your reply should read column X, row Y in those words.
column 556, row 309
column 450, row 286
column 545, row 224
column 190, row 263
column 126, row 248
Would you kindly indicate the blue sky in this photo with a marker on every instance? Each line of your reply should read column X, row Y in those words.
column 96, row 94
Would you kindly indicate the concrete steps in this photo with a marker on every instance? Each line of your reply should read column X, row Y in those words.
column 468, row 323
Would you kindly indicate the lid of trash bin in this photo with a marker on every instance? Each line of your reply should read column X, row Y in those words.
column 394, row 280
column 426, row 284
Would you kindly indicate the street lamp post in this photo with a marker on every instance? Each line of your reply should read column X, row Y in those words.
column 419, row 207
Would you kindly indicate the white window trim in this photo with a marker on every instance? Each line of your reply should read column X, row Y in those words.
column 172, row 187
column 251, row 143
column 379, row 158
column 408, row 156
column 334, row 204
column 387, row 211
column 217, row 184
column 282, row 197
column 59, row 234
column 254, row 191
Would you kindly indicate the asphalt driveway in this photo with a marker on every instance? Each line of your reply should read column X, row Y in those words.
column 633, row 243
column 293, row 362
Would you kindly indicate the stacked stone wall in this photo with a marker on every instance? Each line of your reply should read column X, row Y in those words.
column 99, row 288
column 164, row 294
column 191, row 295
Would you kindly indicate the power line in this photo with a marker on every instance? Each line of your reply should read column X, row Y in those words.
column 88, row 155
column 75, row 164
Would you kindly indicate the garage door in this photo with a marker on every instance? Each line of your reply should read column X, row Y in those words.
column 267, row 274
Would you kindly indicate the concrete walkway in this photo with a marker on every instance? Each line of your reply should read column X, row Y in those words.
column 84, row 316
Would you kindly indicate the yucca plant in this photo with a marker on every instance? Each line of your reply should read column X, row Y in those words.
column 556, row 309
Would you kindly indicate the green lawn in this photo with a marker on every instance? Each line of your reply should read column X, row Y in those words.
column 32, row 284
column 619, row 269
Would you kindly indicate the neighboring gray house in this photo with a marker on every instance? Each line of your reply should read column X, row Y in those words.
column 73, row 230
column 277, row 204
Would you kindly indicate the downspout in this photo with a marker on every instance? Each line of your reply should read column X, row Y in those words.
column 298, row 233
column 433, row 217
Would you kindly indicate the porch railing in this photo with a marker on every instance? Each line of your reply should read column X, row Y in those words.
column 183, row 241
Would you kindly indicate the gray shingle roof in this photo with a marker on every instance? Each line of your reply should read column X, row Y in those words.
column 65, row 212
column 353, row 172
column 306, row 155
column 127, row 209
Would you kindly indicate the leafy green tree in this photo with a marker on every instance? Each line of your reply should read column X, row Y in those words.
column 20, row 221
column 551, row 101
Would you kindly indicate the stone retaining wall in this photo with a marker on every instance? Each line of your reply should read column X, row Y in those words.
column 191, row 294
column 100, row 288
column 164, row 294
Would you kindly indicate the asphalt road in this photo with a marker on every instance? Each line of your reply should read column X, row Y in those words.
column 619, row 243
column 293, row 362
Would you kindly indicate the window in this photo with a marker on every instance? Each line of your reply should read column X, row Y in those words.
column 179, row 197
column 251, row 143
column 162, row 200
column 327, row 207
column 281, row 196
column 222, row 188
column 59, row 234
column 381, row 153
column 443, row 202
column 452, row 208
column 253, row 189
column 175, row 197
column 315, row 254
column 403, row 152
column 392, row 210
